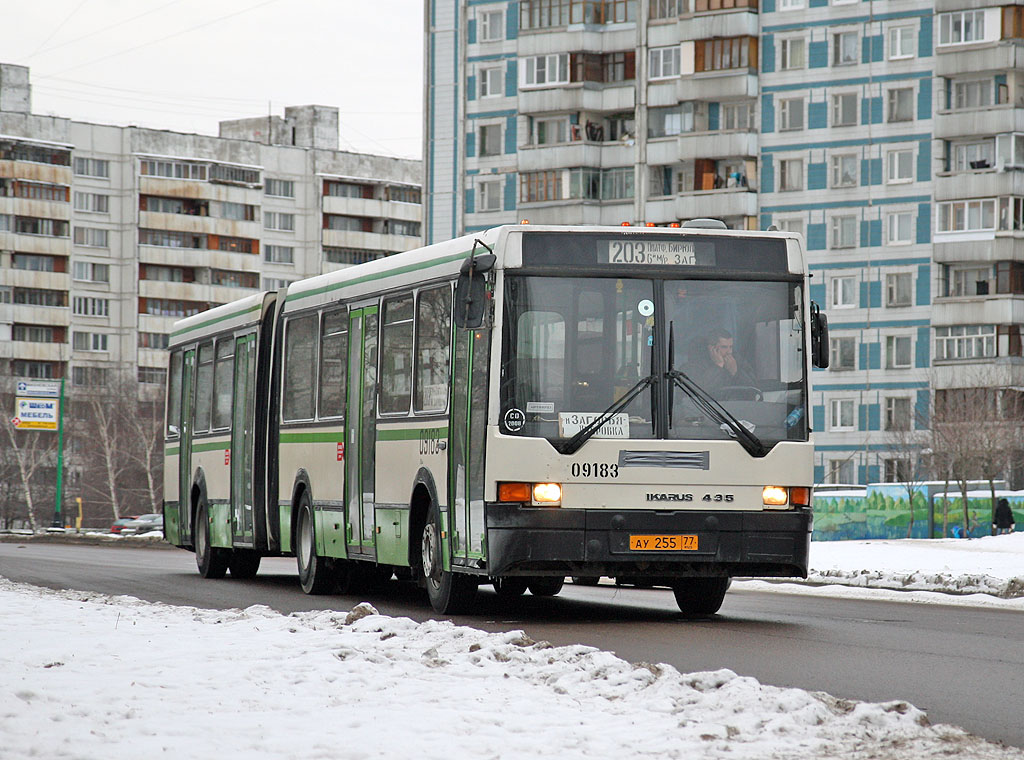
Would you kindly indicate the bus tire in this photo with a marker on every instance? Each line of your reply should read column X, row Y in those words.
column 545, row 586
column 315, row 573
column 510, row 587
column 212, row 561
column 700, row 596
column 585, row 580
column 244, row 563
column 449, row 593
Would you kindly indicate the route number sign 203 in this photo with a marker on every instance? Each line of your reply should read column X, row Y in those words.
column 650, row 252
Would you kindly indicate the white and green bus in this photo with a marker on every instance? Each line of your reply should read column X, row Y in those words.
column 508, row 409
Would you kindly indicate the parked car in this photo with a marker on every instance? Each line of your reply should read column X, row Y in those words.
column 143, row 524
column 121, row 522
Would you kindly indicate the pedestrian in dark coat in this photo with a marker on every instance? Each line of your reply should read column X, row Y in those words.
column 1004, row 521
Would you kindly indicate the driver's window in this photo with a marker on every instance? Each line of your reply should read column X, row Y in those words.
column 540, row 357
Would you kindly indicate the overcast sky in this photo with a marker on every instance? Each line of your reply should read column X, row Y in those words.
column 184, row 65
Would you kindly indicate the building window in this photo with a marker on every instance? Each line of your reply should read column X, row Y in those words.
column 490, row 195
column 896, row 470
column 279, row 254
column 33, row 370
column 227, row 278
column 171, row 239
column 845, row 48
column 401, row 227
column 276, row 283
column 791, row 174
column 93, row 202
column 336, row 189
column 971, row 94
column 901, row 104
column 844, row 109
column 173, row 169
column 154, row 340
column 967, row 280
column 724, row 53
column 87, row 271
column 899, row 166
column 545, row 70
column 965, row 342
column 92, row 236
column 841, row 414
column 664, row 62
column 898, row 289
column 970, row 156
column 339, row 255
column 840, row 471
column 32, row 225
column 152, row 375
column 899, row 228
column 666, row 8
column 842, row 353
column 671, row 120
column 791, row 5
column 403, row 194
column 234, row 175
column 164, row 307
column 491, row 82
column 791, row 225
column 791, row 114
column 34, row 262
column 90, row 376
column 844, row 231
column 491, row 25
column 92, row 167
column 966, row 216
column 343, row 223
column 844, row 170
column 843, row 292
column 898, row 352
column 35, row 297
column 84, row 306
column 961, row 27
column 490, row 140
column 902, row 42
column 279, row 188
column 275, row 220
column 540, row 186
column 241, row 212
column 34, row 334
column 10, row 150
column 550, row 131
column 792, row 53
column 735, row 115
column 897, row 413
column 85, row 341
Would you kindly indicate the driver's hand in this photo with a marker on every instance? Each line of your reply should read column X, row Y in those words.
column 729, row 364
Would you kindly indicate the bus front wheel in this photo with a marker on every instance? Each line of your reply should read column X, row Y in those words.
column 315, row 576
column 700, row 596
column 449, row 593
column 244, row 563
column 212, row 561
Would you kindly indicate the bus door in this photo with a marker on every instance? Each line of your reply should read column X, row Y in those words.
column 188, row 366
column 466, row 435
column 242, row 416
column 361, row 431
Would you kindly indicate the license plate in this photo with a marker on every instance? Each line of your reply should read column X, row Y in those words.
column 662, row 543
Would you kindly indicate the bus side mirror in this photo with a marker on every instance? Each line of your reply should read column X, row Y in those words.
column 471, row 289
column 819, row 337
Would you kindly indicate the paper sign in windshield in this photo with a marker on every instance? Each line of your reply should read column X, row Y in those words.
column 570, row 423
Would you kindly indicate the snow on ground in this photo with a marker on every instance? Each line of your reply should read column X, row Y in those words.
column 88, row 676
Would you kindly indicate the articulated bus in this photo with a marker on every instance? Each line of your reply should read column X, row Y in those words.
column 508, row 409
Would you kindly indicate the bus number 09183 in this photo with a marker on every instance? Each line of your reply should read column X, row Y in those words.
column 594, row 470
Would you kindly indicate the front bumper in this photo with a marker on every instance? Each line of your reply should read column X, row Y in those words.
column 591, row 542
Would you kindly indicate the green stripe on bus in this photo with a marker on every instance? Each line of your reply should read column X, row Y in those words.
column 215, row 320
column 409, row 434
column 336, row 437
column 171, row 451
column 211, row 446
column 377, row 276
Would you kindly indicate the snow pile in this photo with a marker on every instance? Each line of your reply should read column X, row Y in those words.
column 113, row 677
column 990, row 565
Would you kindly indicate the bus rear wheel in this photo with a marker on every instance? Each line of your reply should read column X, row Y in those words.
column 700, row 596
column 315, row 575
column 212, row 561
column 244, row 563
column 546, row 586
column 449, row 593
column 510, row 587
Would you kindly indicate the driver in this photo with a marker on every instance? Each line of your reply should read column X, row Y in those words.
column 716, row 366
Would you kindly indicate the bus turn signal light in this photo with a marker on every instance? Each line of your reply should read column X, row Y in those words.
column 775, row 496
column 513, row 492
column 800, row 496
column 547, row 493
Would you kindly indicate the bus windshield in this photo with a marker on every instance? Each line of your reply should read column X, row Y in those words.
column 573, row 346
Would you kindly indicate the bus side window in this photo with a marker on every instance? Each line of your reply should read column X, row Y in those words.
column 223, row 383
column 333, row 351
column 299, row 368
column 396, row 356
column 174, row 397
column 433, row 339
column 204, row 388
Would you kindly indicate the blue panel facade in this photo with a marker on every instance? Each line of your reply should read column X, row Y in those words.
column 924, row 223
column 768, row 54
column 510, row 192
column 511, row 141
column 924, row 285
column 767, row 173
column 817, row 176
column 512, row 21
column 816, row 237
column 923, row 348
column 922, row 407
column 924, row 99
column 817, row 292
column 817, row 55
column 817, row 115
column 924, row 37
column 511, row 78
column 471, row 144
column 470, row 201
column 714, row 110
column 767, row 114
column 471, row 31
column 818, row 417
column 471, row 87
column 924, row 161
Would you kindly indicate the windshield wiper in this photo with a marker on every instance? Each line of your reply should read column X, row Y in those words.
column 572, row 445
column 707, row 404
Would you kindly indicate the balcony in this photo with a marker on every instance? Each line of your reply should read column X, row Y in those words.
column 49, row 173
column 996, row 120
column 36, row 208
column 713, row 86
column 668, row 150
column 952, row 60
column 994, row 372
column 51, row 316
column 370, row 241
column 1005, row 246
column 996, row 309
column 607, row 38
column 717, row 204
column 369, row 207
column 182, row 188
column 205, row 225
column 978, row 183
column 578, row 97
column 583, row 153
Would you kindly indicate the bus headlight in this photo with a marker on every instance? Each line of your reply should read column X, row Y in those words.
column 775, row 496
column 547, row 493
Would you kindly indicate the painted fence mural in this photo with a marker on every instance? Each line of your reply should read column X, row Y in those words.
column 881, row 510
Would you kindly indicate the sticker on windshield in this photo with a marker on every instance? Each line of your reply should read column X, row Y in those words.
column 514, row 420
column 645, row 307
column 540, row 407
column 570, row 423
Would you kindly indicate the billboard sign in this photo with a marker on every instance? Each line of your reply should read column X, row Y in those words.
column 36, row 413
column 38, row 389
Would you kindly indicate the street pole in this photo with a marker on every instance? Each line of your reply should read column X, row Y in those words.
column 57, row 521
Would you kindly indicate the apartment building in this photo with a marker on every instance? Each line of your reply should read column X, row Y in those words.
column 108, row 234
column 886, row 133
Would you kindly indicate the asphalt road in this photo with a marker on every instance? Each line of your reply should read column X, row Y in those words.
column 962, row 665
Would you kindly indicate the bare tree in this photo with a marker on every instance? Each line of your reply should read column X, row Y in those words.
column 30, row 452
column 906, row 447
column 101, row 442
column 144, row 433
